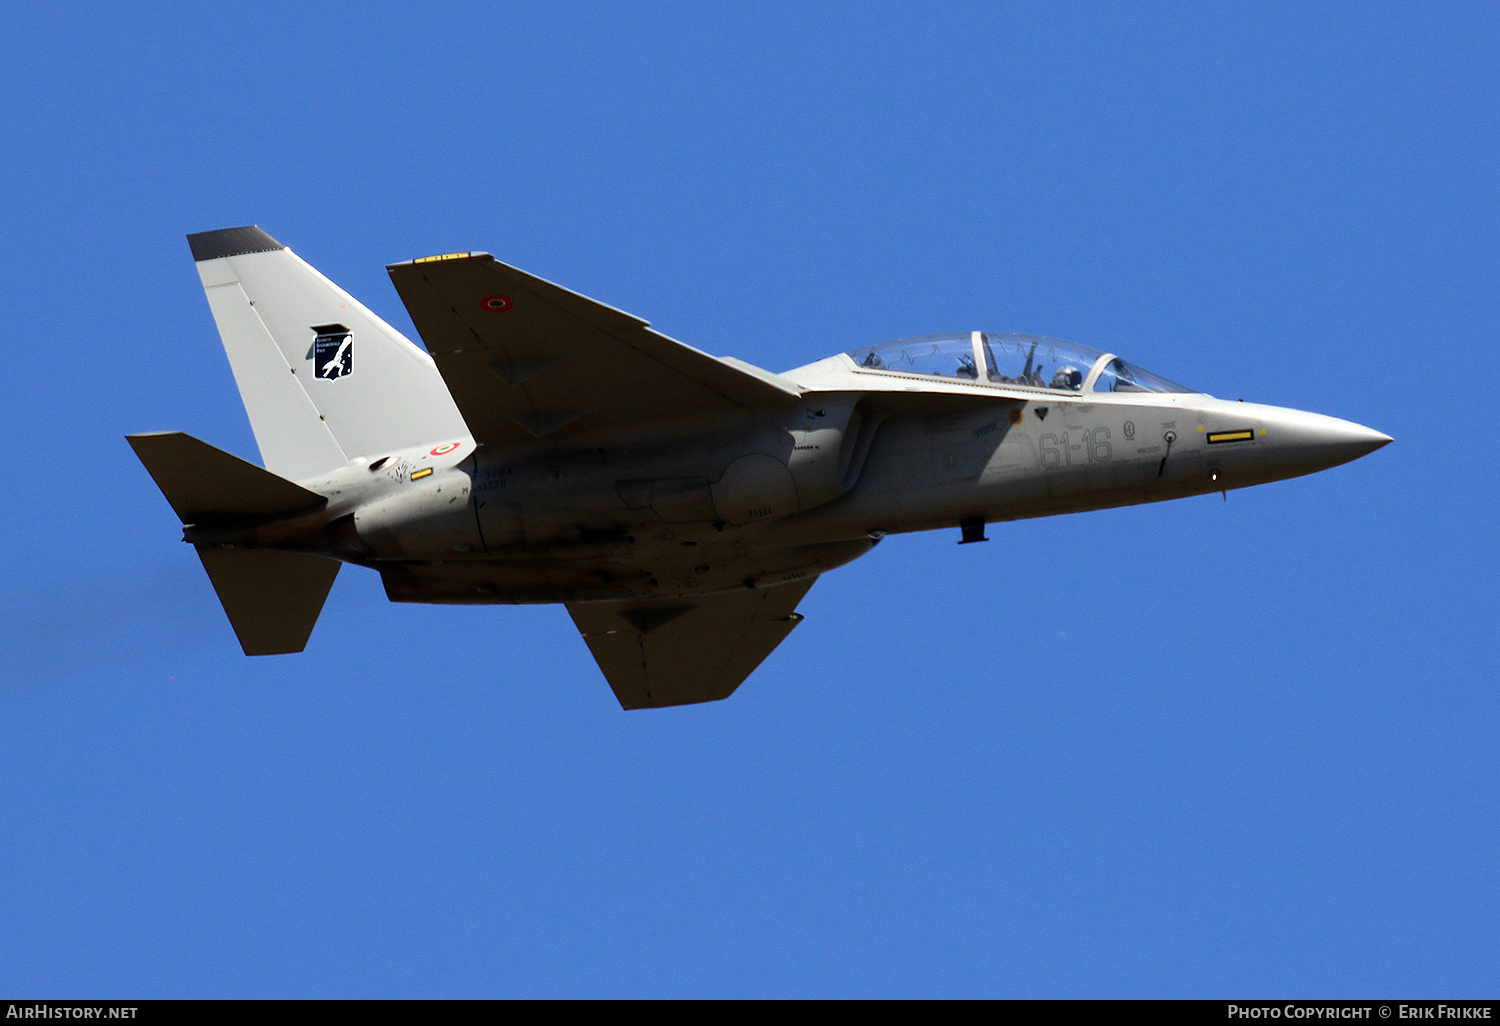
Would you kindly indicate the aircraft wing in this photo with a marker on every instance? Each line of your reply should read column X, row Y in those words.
column 527, row 359
column 659, row 652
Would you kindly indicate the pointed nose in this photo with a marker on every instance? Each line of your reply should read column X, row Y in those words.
column 1299, row 442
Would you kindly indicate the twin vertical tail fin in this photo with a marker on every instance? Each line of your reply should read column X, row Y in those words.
column 323, row 379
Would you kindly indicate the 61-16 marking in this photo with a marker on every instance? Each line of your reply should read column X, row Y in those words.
column 1092, row 446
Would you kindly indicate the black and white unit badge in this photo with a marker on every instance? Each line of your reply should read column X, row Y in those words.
column 333, row 351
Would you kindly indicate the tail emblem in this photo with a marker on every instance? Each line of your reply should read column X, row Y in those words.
column 332, row 351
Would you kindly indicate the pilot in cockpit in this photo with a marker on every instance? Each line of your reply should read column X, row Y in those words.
column 1068, row 377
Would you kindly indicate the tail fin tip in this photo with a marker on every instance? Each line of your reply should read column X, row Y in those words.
column 229, row 242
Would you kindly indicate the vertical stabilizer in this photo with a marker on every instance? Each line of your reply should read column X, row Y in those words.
column 323, row 379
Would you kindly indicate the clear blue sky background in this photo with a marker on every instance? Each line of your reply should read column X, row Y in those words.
column 1192, row 749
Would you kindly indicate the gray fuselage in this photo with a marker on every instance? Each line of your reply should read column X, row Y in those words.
column 691, row 509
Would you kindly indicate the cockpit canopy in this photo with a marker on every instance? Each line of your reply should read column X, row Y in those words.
column 1008, row 359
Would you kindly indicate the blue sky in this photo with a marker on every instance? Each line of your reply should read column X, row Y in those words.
column 1201, row 748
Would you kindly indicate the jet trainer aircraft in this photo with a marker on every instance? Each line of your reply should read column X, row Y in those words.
column 548, row 448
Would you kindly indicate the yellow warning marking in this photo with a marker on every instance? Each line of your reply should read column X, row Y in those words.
column 1230, row 436
column 417, row 475
column 1261, row 432
column 442, row 256
column 1200, row 427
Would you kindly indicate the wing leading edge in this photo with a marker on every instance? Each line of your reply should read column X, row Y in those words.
column 662, row 652
column 526, row 359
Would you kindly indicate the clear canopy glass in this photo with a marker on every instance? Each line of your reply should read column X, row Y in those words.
column 949, row 356
column 1119, row 376
column 1009, row 359
column 1038, row 362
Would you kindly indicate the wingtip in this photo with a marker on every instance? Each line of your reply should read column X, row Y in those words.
column 475, row 254
column 228, row 242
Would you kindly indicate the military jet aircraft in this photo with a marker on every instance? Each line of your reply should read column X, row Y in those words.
column 548, row 448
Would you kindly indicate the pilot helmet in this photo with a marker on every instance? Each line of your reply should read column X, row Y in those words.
column 1068, row 377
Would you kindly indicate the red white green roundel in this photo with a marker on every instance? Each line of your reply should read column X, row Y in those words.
column 496, row 304
column 444, row 450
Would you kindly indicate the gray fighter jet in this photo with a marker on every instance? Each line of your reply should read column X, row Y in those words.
column 548, row 448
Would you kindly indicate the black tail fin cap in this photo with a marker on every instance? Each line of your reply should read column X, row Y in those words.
column 228, row 242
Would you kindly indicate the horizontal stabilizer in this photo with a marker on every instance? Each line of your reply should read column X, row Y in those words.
column 272, row 598
column 660, row 652
column 204, row 484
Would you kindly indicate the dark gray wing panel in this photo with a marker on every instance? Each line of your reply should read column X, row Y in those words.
column 661, row 652
column 525, row 358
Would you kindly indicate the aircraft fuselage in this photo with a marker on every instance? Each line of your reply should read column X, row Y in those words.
column 777, row 497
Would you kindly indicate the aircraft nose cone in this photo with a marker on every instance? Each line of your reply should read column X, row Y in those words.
column 1301, row 442
column 1363, row 441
